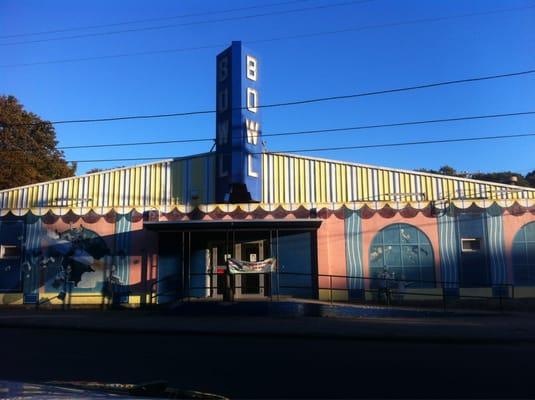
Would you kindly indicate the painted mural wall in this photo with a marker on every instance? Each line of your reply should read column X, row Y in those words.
column 94, row 258
column 80, row 259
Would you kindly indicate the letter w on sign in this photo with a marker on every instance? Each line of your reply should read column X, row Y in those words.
column 252, row 131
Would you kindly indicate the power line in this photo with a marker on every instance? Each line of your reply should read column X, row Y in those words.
column 266, row 40
column 138, row 21
column 305, row 132
column 317, row 149
column 414, row 143
column 160, row 27
column 90, row 146
column 292, row 103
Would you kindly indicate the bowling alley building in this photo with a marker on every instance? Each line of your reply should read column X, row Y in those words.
column 165, row 231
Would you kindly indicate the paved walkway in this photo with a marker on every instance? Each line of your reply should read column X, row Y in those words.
column 462, row 328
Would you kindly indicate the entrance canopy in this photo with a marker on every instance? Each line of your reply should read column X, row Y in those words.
column 256, row 224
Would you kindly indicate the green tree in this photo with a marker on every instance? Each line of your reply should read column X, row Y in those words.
column 444, row 170
column 501, row 177
column 530, row 178
column 28, row 147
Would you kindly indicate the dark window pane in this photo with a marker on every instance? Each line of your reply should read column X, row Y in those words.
column 519, row 253
column 531, row 252
column 376, row 257
column 412, row 275
column 392, row 256
column 426, row 255
column 530, row 232
column 391, row 235
column 423, row 238
column 410, row 255
column 408, row 234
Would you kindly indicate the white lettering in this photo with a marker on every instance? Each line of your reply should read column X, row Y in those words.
column 251, row 68
column 250, row 171
column 252, row 131
column 223, row 69
column 222, row 132
column 222, row 103
column 252, row 100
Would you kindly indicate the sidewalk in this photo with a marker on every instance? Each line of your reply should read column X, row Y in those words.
column 461, row 328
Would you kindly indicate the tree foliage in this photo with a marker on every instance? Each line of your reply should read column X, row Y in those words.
column 497, row 177
column 28, row 147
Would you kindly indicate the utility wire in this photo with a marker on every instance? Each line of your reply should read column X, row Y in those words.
column 266, row 40
column 139, row 21
column 160, row 27
column 305, row 132
column 291, row 103
column 318, row 149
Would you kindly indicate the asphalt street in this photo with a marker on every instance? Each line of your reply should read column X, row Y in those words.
column 252, row 366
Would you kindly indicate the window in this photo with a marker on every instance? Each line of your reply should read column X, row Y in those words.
column 471, row 244
column 9, row 252
column 524, row 255
column 407, row 254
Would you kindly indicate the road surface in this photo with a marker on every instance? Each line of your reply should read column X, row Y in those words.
column 249, row 366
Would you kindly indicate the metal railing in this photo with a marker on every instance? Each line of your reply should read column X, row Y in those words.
column 342, row 288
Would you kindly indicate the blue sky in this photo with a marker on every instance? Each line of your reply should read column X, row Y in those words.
column 292, row 69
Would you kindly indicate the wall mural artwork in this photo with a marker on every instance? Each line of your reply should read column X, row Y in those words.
column 75, row 260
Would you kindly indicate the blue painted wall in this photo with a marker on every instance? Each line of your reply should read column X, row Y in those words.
column 353, row 242
column 11, row 233
column 294, row 253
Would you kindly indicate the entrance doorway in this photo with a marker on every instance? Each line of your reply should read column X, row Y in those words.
column 250, row 283
column 256, row 285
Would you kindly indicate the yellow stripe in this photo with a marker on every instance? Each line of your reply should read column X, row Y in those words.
column 98, row 199
column 320, row 178
column 302, row 197
column 282, row 180
column 158, row 181
column 276, row 179
column 429, row 187
column 408, row 187
column 308, row 198
column 380, row 190
column 71, row 190
column 388, row 187
column 317, row 185
column 298, row 177
column 117, row 188
column 327, row 181
column 153, row 187
column 264, row 179
column 360, row 184
column 110, row 188
column 366, row 179
column 433, row 188
column 345, row 171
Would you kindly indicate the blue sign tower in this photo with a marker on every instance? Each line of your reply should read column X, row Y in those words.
column 238, row 140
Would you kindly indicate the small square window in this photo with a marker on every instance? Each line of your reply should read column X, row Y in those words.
column 471, row 244
column 9, row 252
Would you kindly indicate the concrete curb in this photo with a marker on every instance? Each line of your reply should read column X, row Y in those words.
column 270, row 334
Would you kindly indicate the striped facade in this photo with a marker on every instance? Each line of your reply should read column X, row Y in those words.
column 144, row 186
column 286, row 179
column 292, row 179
